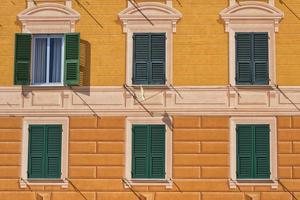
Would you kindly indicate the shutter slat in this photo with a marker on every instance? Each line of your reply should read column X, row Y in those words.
column 72, row 58
column 139, row 151
column 22, row 59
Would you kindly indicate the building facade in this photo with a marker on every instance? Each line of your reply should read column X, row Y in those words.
column 149, row 99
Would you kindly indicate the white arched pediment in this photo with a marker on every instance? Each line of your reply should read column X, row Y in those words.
column 48, row 18
column 254, row 11
column 156, row 12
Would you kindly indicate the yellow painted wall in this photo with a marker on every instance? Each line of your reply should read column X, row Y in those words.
column 200, row 43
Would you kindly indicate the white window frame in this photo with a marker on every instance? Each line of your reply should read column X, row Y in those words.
column 64, row 121
column 167, row 181
column 161, row 18
column 48, row 37
column 271, row 121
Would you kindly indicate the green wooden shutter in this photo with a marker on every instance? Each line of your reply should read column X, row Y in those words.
column 141, row 58
column 53, row 151
column 244, row 151
column 158, row 57
column 261, row 58
column 22, row 59
column 36, row 153
column 262, row 152
column 157, row 151
column 140, row 151
column 243, row 59
column 72, row 58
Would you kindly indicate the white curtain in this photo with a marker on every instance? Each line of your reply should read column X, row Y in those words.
column 40, row 61
column 55, row 60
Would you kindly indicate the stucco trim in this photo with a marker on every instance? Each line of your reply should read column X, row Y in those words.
column 233, row 182
column 167, row 121
column 64, row 121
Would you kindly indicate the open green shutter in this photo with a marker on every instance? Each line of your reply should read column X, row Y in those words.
column 139, row 151
column 157, row 150
column 53, row 151
column 262, row 151
column 36, row 152
column 72, row 58
column 158, row 58
column 244, row 151
column 243, row 59
column 22, row 59
column 141, row 58
column 261, row 58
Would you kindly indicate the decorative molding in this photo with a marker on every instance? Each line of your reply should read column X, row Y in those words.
column 218, row 100
column 165, row 120
column 233, row 182
column 251, row 16
column 64, row 121
column 251, row 12
column 48, row 18
column 157, row 17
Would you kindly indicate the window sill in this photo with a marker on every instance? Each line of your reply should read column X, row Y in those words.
column 43, row 182
column 253, row 182
column 148, row 182
column 255, row 87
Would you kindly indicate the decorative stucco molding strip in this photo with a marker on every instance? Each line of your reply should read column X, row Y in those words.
column 48, row 18
column 221, row 100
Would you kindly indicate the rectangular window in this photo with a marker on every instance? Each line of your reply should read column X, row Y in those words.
column 148, row 151
column 47, row 67
column 253, row 151
column 149, row 58
column 252, row 59
column 44, row 153
column 47, row 59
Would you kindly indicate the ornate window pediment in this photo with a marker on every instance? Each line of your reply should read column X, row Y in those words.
column 253, row 11
column 48, row 18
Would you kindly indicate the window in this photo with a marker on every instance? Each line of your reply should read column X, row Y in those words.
column 148, row 151
column 148, row 159
column 44, row 151
column 44, row 154
column 149, row 55
column 47, row 59
column 253, row 151
column 252, row 66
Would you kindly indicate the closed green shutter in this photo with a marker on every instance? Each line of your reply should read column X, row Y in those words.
column 148, row 151
column 22, row 59
column 253, row 152
column 158, row 54
column 36, row 153
column 53, row 154
column 157, row 149
column 262, row 151
column 72, row 58
column 141, row 57
column 149, row 52
column 260, row 58
column 243, row 59
column 44, row 155
column 140, row 151
column 244, row 151
column 252, row 65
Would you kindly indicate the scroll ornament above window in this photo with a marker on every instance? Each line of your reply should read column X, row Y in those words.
column 43, row 17
column 251, row 12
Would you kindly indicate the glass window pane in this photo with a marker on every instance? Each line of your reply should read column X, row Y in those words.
column 55, row 60
column 40, row 61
